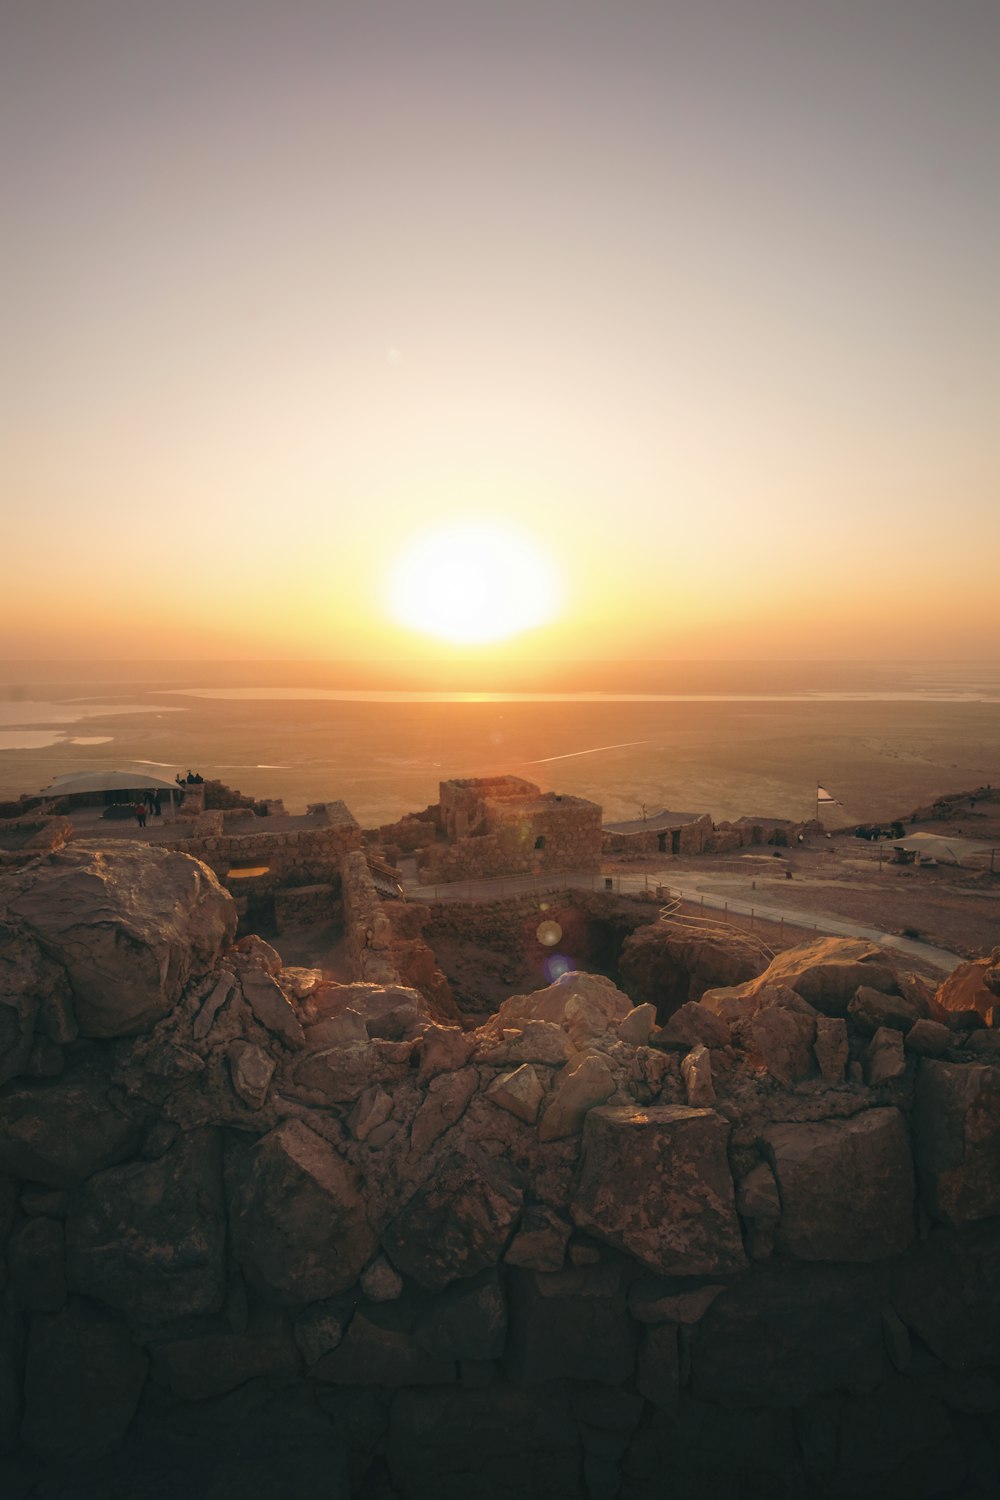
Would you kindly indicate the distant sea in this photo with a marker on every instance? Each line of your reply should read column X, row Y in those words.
column 721, row 737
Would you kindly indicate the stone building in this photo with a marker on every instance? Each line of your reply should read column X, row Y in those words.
column 661, row 833
column 503, row 825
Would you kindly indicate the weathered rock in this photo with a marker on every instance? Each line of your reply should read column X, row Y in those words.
column 577, row 1090
column 167, row 1060
column 757, row 1195
column 163, row 913
column 783, row 1334
column 37, row 1262
column 535, row 1042
column 826, row 972
column 321, row 1326
column 340, row 1075
column 846, row 1187
column 696, row 1070
column 928, row 1038
column 58, row 1133
column 458, row 1223
column 831, row 1047
column 956, row 1132
column 251, row 1071
column 638, row 1025
column 870, row 1010
column 83, row 1379
column 446, row 1101
column 656, row 1184
column 380, row 1282
column 443, row 1049
column 540, row 1243
column 213, row 1362
column 898, row 1440
column 372, row 1110
column 658, row 1367
column 30, row 986
column 972, row 986
column 571, row 1324
column 693, row 1024
column 885, row 1058
column 337, row 1031
column 272, row 1007
column 659, row 1299
column 206, row 1017
column 583, row 1005
column 297, row 1216
column 521, row 1093
column 149, row 1238
column 783, row 1039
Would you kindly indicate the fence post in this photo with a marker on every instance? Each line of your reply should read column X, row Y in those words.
column 751, row 919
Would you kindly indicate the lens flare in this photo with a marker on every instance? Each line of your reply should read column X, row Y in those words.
column 556, row 965
column 548, row 933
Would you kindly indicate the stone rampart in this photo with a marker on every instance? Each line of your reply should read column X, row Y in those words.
column 262, row 1234
column 306, row 856
column 368, row 936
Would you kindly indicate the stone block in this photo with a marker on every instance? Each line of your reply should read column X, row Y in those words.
column 457, row 1223
column 149, row 1238
column 570, row 1325
column 212, row 1362
column 692, row 1024
column 520, row 1093
column 36, row 1259
column 656, row 1184
column 658, row 1366
column 846, row 1187
column 696, row 1071
column 297, row 1216
column 578, row 1089
column 541, row 1241
column 59, row 1133
column 956, row 1132
column 885, row 1058
column 831, row 1047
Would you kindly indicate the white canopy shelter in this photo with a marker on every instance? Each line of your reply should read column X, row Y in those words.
column 106, row 781
column 947, row 851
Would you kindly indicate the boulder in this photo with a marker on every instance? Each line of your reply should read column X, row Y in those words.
column 655, row 1183
column 692, row 1025
column 149, row 1238
column 584, row 1005
column 59, row 1132
column 956, row 1133
column 130, row 925
column 372, row 1110
column 446, row 1101
column 658, row 1367
column 871, row 1009
column 377, row 1351
column 782, row 1039
column 340, row 1075
column 696, row 1071
column 321, row 1326
column 577, row 1090
column 467, row 1321
column 457, row 1223
column 520, row 1093
column 272, row 1007
column 83, row 1379
column 929, row 1038
column 541, row 1241
column 534, row 1042
column 251, row 1071
column 826, row 972
column 885, row 1057
column 664, row 1299
column 637, row 1025
column 380, row 1282
column 973, row 986
column 33, row 990
column 846, row 1187
column 831, row 1048
column 783, row 1334
column 297, row 1216
column 945, row 1289
column 443, row 1049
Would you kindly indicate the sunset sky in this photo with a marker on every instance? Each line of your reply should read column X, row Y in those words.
column 689, row 313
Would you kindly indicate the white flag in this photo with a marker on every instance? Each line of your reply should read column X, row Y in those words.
column 822, row 795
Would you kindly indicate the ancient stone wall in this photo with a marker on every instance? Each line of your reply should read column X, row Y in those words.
column 368, row 936
column 305, row 857
column 306, row 905
column 265, row 1235
column 691, row 838
column 544, row 834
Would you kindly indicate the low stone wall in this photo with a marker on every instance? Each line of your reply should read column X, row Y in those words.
column 306, row 905
column 368, row 934
column 691, row 838
column 309, row 856
column 542, row 837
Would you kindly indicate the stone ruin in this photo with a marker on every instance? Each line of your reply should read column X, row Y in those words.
column 265, row 1235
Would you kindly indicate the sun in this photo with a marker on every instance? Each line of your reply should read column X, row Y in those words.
column 473, row 582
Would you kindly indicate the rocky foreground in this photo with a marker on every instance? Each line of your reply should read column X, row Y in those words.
column 264, row 1235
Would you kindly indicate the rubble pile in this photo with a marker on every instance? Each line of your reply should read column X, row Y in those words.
column 260, row 1232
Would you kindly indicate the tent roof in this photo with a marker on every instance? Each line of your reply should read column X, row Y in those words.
column 950, row 851
column 107, row 781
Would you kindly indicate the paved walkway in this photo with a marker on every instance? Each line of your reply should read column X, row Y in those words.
column 516, row 885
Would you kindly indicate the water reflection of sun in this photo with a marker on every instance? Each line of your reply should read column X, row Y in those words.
column 473, row 582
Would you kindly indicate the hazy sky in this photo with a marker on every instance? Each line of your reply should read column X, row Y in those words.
column 704, row 298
